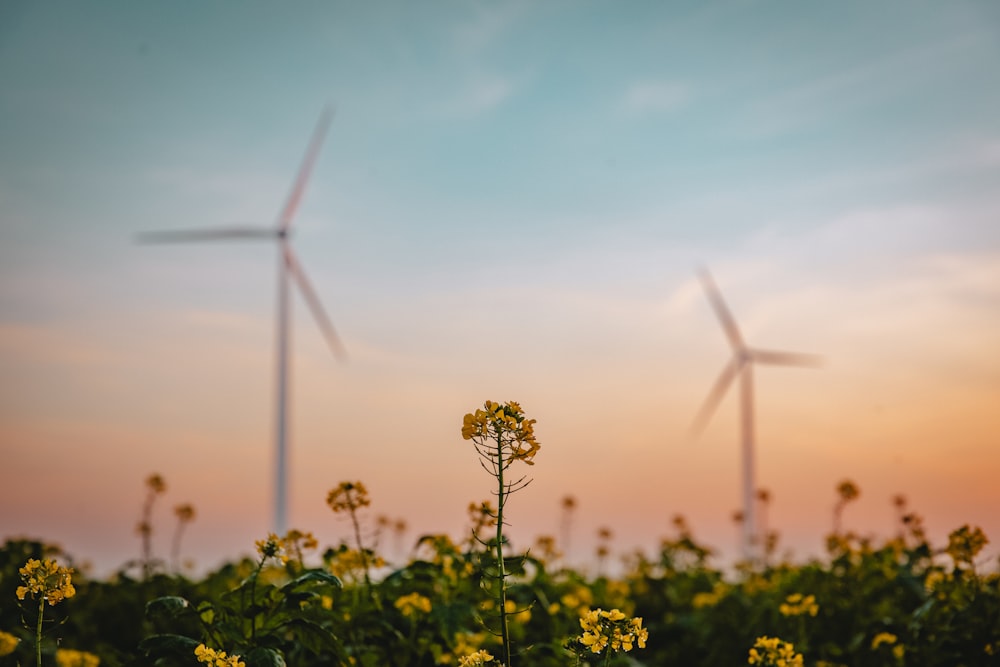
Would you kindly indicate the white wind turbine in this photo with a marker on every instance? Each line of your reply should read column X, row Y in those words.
column 289, row 270
column 741, row 365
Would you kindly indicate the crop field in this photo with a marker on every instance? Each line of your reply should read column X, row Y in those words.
column 474, row 601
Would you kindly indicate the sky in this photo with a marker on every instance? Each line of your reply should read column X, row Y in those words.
column 512, row 203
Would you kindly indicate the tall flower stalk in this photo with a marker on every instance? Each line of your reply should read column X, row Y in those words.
column 49, row 582
column 502, row 435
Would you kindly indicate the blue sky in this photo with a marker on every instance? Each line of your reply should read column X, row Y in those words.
column 510, row 204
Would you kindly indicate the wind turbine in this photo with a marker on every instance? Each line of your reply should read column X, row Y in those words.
column 289, row 271
column 741, row 366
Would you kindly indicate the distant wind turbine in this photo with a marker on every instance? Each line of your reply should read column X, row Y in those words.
column 289, row 270
column 741, row 365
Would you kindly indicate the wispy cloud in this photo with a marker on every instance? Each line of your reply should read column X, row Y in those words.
column 646, row 97
column 832, row 94
column 487, row 25
column 480, row 95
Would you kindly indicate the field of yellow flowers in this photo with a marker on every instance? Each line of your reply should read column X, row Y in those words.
column 901, row 601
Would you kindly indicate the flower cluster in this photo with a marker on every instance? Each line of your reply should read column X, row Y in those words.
column 507, row 425
column 348, row 562
column 214, row 658
column 184, row 512
column 773, row 652
column 611, row 629
column 964, row 543
column 8, row 643
column 66, row 657
column 798, row 605
column 890, row 641
column 272, row 547
column 410, row 604
column 480, row 657
column 349, row 496
column 48, row 579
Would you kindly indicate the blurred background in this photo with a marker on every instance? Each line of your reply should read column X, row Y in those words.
column 511, row 204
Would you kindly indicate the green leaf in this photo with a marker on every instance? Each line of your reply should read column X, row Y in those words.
column 319, row 576
column 159, row 646
column 264, row 657
column 168, row 607
column 312, row 635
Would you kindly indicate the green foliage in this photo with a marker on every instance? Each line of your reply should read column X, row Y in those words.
column 899, row 602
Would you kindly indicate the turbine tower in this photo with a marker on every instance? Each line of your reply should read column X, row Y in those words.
column 289, row 271
column 741, row 366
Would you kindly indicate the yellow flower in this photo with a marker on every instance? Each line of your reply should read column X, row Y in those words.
column 8, row 643
column 349, row 496
column 480, row 657
column 611, row 629
column 883, row 638
column 215, row 658
column 270, row 548
column 70, row 658
column 798, row 605
column 773, row 652
column 410, row 604
column 156, row 484
column 184, row 512
column 505, row 424
column 46, row 578
column 964, row 543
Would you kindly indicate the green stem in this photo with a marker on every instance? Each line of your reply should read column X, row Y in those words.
column 38, row 631
column 253, row 600
column 364, row 558
column 501, row 574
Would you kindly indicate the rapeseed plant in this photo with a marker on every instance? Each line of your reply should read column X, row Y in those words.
column 185, row 514
column 774, row 652
column 155, row 487
column 610, row 632
column 502, row 436
column 49, row 582
column 214, row 658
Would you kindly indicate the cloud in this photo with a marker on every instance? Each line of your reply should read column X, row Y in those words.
column 481, row 95
column 655, row 97
column 487, row 26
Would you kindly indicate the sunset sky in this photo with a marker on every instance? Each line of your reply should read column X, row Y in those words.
column 511, row 204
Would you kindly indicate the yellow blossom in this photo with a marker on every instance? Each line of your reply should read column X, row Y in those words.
column 8, row 643
column 69, row 658
column 883, row 638
column 348, row 496
column 505, row 424
column 156, row 484
column 410, row 604
column 47, row 579
column 480, row 657
column 214, row 658
column 797, row 604
column 272, row 547
column 774, row 652
column 611, row 629
column 964, row 543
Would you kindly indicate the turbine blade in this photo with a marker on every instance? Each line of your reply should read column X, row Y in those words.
column 285, row 220
column 208, row 234
column 721, row 310
column 785, row 358
column 332, row 339
column 714, row 397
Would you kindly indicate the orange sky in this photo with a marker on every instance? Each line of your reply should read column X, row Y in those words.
column 501, row 211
